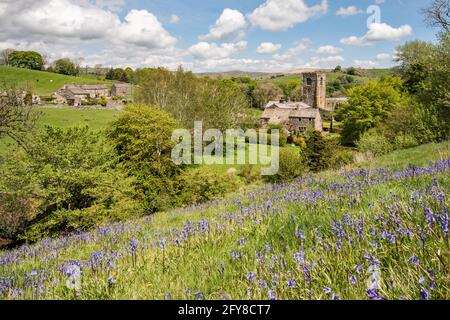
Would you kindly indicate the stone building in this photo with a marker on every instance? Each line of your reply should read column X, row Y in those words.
column 121, row 90
column 314, row 89
column 299, row 116
column 96, row 90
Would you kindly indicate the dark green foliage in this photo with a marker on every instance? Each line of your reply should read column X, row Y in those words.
column 317, row 151
column 26, row 59
column 67, row 67
column 141, row 136
column 120, row 74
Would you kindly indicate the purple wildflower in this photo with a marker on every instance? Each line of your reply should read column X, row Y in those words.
column 272, row 295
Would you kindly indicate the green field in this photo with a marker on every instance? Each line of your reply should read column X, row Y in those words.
column 43, row 83
column 321, row 237
column 96, row 119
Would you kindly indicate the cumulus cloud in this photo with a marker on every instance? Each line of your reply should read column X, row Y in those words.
column 379, row 32
column 143, row 28
column 212, row 51
column 294, row 54
column 231, row 24
column 348, row 11
column 268, row 48
column 365, row 64
column 383, row 56
column 281, row 15
column 329, row 50
column 327, row 62
column 174, row 19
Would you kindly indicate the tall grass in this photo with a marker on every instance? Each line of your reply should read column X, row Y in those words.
column 363, row 234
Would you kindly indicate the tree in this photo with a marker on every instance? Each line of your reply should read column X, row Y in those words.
column 26, row 59
column 141, row 136
column 265, row 92
column 217, row 103
column 67, row 67
column 437, row 14
column 425, row 68
column 68, row 179
column 4, row 56
column 368, row 106
column 337, row 69
column 317, row 151
column 17, row 116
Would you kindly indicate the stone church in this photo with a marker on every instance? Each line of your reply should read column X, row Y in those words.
column 297, row 117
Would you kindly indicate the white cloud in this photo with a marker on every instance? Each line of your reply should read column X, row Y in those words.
column 365, row 64
column 212, row 51
column 268, row 47
column 329, row 50
column 348, row 11
column 294, row 53
column 383, row 56
column 379, row 32
column 142, row 28
column 280, row 15
column 174, row 19
column 231, row 24
column 327, row 62
column 379, row 1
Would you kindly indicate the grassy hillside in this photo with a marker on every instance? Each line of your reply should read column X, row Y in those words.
column 366, row 75
column 96, row 119
column 321, row 237
column 42, row 83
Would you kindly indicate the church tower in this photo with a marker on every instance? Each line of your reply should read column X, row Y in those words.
column 314, row 89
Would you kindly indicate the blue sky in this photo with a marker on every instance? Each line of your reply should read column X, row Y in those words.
column 215, row 35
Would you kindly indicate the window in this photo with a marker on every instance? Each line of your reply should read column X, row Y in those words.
column 308, row 81
column 321, row 81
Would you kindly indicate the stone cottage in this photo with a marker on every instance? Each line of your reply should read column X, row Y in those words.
column 121, row 90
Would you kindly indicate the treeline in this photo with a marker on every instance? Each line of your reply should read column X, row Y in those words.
column 409, row 109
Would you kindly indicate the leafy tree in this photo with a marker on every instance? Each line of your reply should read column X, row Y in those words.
column 368, row 106
column 17, row 116
column 317, row 151
column 337, row 69
column 26, row 59
column 141, row 135
column 68, row 179
column 67, row 67
column 265, row 92
column 218, row 103
column 425, row 68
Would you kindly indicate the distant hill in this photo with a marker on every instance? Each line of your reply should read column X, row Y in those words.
column 235, row 73
column 43, row 83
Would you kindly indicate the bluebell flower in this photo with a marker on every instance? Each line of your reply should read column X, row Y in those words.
column 272, row 295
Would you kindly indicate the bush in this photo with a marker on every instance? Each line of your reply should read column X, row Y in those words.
column 204, row 184
column 292, row 165
column 69, row 179
column 374, row 143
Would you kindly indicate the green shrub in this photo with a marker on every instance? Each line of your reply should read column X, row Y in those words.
column 204, row 184
column 374, row 143
column 292, row 165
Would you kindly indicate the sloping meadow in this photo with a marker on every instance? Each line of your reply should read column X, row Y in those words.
column 365, row 234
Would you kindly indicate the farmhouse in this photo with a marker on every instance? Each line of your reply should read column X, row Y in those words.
column 121, row 90
column 96, row 90
column 72, row 94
